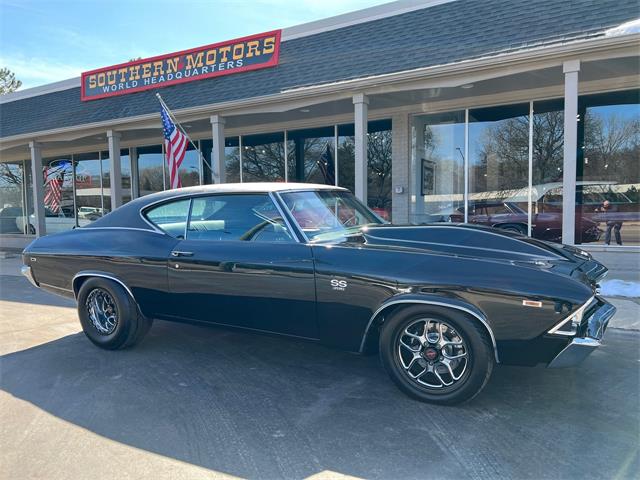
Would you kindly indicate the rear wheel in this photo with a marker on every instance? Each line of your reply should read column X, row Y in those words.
column 435, row 354
column 514, row 227
column 109, row 316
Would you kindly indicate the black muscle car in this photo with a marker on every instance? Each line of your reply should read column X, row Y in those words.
column 441, row 303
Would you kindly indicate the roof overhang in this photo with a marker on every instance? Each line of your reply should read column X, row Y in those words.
column 447, row 75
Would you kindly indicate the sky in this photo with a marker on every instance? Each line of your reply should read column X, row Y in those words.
column 44, row 41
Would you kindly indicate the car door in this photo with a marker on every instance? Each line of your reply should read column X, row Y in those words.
column 479, row 215
column 240, row 264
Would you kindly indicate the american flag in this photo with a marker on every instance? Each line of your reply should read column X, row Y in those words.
column 327, row 167
column 53, row 189
column 175, row 146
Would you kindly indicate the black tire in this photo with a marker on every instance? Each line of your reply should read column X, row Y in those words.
column 480, row 354
column 130, row 325
column 514, row 227
column 30, row 230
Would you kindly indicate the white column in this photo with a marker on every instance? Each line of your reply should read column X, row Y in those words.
column 38, row 190
column 400, row 167
column 135, row 177
column 570, row 69
column 361, row 103
column 113, row 138
column 418, row 211
column 217, row 152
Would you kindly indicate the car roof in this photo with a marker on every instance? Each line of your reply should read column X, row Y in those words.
column 255, row 187
column 129, row 214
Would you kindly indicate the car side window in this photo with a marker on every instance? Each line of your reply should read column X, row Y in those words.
column 497, row 209
column 245, row 217
column 170, row 217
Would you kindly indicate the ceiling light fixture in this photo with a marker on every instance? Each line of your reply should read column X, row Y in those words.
column 467, row 86
column 305, row 110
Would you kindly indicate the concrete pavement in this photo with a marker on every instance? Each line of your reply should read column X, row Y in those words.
column 197, row 402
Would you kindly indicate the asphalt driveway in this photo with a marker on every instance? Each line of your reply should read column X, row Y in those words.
column 197, row 402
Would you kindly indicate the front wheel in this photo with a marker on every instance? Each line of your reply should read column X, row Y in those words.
column 435, row 354
column 109, row 316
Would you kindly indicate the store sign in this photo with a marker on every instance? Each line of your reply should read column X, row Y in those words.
column 241, row 55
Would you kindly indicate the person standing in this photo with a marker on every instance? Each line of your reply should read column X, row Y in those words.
column 613, row 223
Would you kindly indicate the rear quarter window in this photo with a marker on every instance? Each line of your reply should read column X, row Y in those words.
column 170, row 217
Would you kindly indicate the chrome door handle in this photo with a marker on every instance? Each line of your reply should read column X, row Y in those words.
column 177, row 253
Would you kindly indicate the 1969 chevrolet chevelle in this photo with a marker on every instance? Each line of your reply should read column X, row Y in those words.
column 441, row 303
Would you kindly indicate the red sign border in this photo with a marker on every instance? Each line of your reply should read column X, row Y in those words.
column 271, row 63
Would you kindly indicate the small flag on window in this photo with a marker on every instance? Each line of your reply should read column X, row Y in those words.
column 53, row 189
column 175, row 147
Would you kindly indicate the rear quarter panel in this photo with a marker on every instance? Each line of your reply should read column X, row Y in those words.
column 137, row 258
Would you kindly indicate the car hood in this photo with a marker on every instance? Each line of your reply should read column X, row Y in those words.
column 463, row 240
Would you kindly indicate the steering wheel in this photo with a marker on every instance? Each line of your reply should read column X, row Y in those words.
column 254, row 232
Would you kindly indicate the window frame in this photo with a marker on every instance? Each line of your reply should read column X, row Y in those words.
column 296, row 237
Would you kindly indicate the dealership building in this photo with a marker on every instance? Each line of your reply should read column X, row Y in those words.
column 520, row 114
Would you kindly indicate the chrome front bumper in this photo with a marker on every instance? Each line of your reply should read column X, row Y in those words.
column 26, row 271
column 591, row 338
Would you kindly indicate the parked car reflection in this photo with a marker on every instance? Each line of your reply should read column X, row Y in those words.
column 55, row 222
column 509, row 216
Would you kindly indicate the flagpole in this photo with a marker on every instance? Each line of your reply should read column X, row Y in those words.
column 177, row 124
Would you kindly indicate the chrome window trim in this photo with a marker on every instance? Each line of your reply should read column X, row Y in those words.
column 273, row 194
column 148, row 222
column 123, row 228
column 430, row 302
column 579, row 311
column 186, row 224
column 276, row 200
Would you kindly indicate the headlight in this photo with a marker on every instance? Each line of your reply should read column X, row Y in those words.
column 570, row 325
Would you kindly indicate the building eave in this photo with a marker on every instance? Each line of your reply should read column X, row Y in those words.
column 503, row 63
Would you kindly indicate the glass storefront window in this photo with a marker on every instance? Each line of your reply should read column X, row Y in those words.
column 189, row 170
column 499, row 167
column 313, row 159
column 150, row 169
column 12, row 198
column 106, row 182
column 378, row 164
column 263, row 158
column 608, row 169
column 437, row 168
column 58, row 195
column 379, row 167
column 89, row 187
column 125, row 172
column 547, row 167
column 232, row 159
column 346, row 157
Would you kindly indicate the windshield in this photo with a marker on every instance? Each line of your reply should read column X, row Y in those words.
column 327, row 214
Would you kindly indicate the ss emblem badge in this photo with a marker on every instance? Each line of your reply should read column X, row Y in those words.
column 339, row 285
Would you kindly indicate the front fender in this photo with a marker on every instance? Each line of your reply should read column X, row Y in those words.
column 428, row 299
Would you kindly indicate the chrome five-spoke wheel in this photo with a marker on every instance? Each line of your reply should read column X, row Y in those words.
column 432, row 353
column 436, row 354
column 102, row 311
